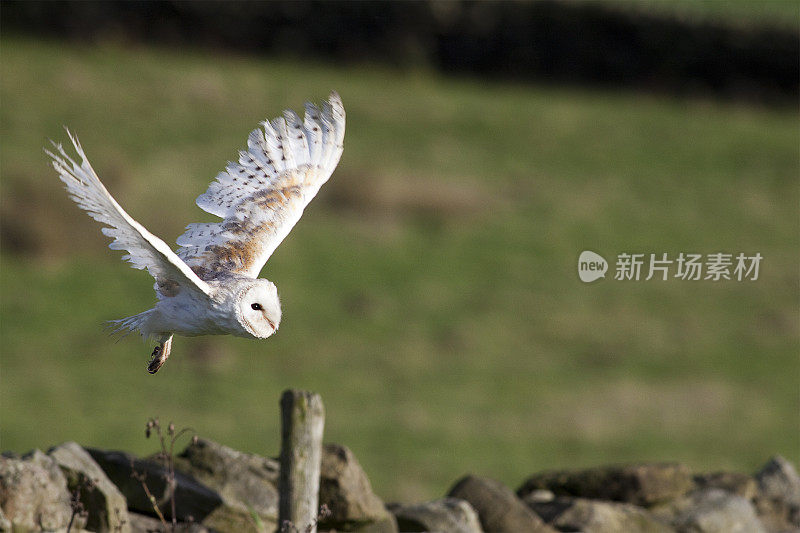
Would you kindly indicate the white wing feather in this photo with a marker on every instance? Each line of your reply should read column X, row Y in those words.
column 262, row 197
column 145, row 250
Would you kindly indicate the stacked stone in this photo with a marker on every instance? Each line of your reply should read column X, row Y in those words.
column 216, row 488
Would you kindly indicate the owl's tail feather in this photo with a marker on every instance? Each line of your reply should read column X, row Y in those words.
column 125, row 326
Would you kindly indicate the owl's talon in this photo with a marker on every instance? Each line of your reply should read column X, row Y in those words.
column 156, row 360
column 159, row 355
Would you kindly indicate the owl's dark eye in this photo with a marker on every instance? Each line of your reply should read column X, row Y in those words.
column 256, row 307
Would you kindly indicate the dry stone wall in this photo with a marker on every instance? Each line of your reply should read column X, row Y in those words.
column 211, row 487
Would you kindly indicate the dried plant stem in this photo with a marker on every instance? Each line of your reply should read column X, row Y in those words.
column 167, row 454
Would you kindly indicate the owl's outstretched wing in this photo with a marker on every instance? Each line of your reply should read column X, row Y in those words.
column 145, row 250
column 262, row 197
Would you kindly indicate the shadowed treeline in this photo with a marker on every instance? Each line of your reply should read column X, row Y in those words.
column 609, row 44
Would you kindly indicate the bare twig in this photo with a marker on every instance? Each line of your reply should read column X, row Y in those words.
column 167, row 455
column 75, row 502
column 142, row 478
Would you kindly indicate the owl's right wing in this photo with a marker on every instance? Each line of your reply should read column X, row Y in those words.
column 262, row 197
column 145, row 250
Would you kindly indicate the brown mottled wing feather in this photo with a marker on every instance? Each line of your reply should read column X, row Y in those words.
column 262, row 197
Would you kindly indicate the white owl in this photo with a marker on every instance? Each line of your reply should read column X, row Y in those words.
column 210, row 285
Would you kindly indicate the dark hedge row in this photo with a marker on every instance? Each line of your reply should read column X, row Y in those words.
column 573, row 42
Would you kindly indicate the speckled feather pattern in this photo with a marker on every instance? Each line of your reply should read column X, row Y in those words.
column 262, row 197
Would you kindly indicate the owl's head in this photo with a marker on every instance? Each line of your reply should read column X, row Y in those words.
column 258, row 308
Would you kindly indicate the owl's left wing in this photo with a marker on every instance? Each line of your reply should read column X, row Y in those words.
column 262, row 197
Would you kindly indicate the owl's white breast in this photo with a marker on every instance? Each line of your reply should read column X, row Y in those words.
column 186, row 314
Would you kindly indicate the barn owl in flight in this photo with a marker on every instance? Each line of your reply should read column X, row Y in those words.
column 209, row 286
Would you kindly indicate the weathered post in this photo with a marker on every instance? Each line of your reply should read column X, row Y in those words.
column 302, row 423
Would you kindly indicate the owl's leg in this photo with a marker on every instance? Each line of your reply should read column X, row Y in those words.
column 160, row 353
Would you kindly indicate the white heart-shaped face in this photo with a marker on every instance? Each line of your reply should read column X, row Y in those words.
column 259, row 309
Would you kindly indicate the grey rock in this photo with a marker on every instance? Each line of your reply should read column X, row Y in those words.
column 5, row 523
column 733, row 482
column 106, row 506
column 711, row 511
column 778, row 480
column 498, row 508
column 639, row 484
column 144, row 524
column 193, row 500
column 591, row 516
column 540, row 495
column 34, row 494
column 140, row 523
column 777, row 502
column 447, row 515
column 346, row 491
column 244, row 481
column 548, row 509
column 195, row 503
column 777, row 516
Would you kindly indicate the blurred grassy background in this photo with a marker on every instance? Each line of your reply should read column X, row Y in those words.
column 430, row 291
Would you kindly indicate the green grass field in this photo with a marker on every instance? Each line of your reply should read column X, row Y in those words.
column 430, row 292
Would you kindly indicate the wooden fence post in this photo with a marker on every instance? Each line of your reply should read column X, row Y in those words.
column 302, row 424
